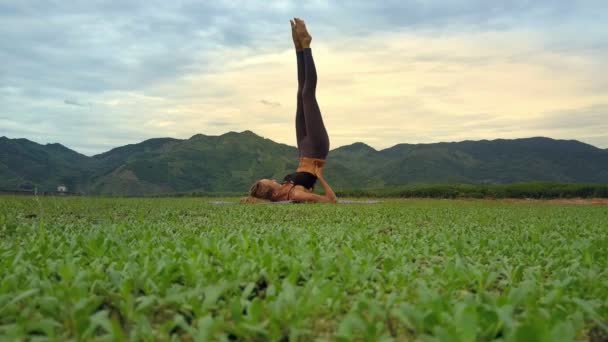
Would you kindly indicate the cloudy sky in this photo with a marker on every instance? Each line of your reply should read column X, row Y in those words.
column 94, row 75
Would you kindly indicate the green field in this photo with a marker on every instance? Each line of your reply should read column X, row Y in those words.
column 186, row 269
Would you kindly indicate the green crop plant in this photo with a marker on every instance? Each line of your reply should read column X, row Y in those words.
column 188, row 269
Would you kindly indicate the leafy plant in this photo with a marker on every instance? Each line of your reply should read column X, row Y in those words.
column 187, row 269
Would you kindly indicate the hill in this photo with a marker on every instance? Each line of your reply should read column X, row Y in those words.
column 232, row 161
column 25, row 164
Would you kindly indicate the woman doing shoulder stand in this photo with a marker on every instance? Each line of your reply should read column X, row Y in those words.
column 313, row 142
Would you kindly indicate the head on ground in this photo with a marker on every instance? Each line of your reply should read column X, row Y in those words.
column 265, row 189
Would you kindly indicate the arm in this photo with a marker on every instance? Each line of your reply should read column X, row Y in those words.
column 329, row 197
column 329, row 193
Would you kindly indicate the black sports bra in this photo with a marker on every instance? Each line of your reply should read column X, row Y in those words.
column 305, row 179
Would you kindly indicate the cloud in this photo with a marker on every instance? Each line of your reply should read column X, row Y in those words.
column 270, row 103
column 473, row 93
column 389, row 71
column 219, row 123
column 593, row 117
column 72, row 102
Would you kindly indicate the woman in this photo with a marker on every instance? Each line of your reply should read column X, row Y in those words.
column 313, row 142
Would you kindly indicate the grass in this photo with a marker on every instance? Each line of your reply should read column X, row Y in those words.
column 515, row 190
column 185, row 269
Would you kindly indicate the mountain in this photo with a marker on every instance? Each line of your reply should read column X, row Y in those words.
column 233, row 161
column 25, row 164
column 499, row 162
column 228, row 162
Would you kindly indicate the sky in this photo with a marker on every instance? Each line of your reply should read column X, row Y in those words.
column 94, row 75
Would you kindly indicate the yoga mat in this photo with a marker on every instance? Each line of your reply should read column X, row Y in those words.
column 340, row 201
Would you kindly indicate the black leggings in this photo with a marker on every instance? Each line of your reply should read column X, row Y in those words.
column 313, row 141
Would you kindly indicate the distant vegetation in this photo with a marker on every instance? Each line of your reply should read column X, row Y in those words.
column 231, row 162
column 520, row 190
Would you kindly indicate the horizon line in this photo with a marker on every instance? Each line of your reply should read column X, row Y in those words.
column 341, row 146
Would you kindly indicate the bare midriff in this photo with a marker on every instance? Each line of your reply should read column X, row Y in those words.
column 310, row 165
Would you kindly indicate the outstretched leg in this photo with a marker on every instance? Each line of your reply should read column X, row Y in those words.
column 317, row 144
column 316, row 141
column 300, row 119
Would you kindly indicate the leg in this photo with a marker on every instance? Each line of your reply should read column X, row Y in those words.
column 300, row 119
column 317, row 141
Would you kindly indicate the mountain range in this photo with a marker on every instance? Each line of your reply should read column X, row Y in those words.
column 233, row 161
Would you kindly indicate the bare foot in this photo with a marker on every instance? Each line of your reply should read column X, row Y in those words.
column 296, row 40
column 302, row 33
